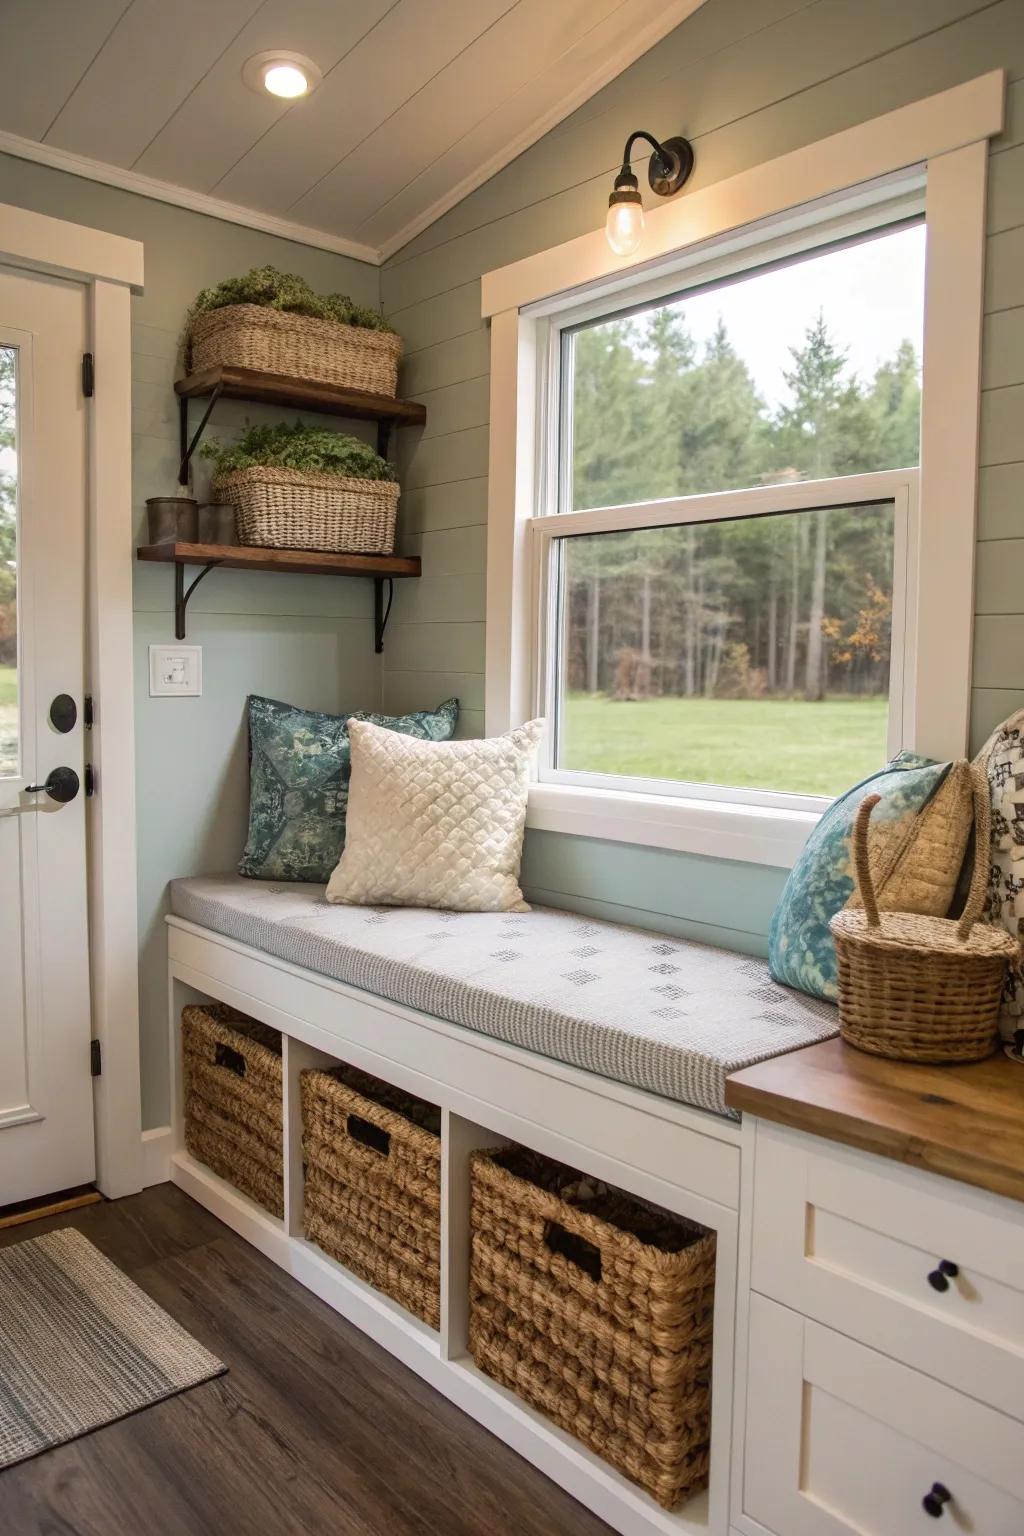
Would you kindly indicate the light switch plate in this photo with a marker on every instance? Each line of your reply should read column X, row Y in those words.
column 175, row 671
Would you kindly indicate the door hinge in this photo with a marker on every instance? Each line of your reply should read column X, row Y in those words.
column 88, row 376
column 95, row 1058
column 90, row 780
column 87, row 711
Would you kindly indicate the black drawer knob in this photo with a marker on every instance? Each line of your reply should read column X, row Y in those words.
column 935, row 1500
column 941, row 1276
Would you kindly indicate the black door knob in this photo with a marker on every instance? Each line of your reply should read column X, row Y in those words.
column 61, row 785
column 935, row 1498
column 941, row 1276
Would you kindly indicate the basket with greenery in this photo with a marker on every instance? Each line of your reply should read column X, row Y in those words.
column 305, row 487
column 274, row 322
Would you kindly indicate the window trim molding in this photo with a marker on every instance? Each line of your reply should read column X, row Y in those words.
column 944, row 139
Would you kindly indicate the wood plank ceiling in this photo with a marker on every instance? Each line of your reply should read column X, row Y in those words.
column 420, row 101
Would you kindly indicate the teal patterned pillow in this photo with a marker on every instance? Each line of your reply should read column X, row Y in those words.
column 800, row 949
column 299, row 770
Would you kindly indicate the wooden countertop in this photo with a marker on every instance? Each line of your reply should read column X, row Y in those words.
column 965, row 1122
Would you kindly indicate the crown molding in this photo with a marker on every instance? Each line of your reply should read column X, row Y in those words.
column 182, row 197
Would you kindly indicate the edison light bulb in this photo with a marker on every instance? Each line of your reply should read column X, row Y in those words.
column 625, row 223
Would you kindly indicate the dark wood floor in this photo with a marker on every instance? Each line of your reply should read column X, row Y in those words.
column 314, row 1428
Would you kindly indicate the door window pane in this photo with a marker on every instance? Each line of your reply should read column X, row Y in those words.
column 752, row 652
column 800, row 372
column 9, row 751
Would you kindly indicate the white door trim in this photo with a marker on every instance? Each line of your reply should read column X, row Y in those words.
column 111, row 267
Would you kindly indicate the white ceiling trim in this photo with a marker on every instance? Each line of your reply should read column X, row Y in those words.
column 183, row 197
column 641, row 40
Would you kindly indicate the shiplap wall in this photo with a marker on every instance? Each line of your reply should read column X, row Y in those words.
column 746, row 80
column 308, row 639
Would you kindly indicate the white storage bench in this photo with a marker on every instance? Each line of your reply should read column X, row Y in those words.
column 603, row 1047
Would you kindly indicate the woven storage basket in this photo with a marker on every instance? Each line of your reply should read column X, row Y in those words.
column 296, row 509
column 233, row 1106
column 373, row 1184
column 919, row 988
column 296, row 346
column 597, row 1310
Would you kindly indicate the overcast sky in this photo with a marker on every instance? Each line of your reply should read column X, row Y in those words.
column 872, row 296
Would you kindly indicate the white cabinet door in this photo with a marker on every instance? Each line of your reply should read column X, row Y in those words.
column 842, row 1441
column 46, row 1125
column 857, row 1243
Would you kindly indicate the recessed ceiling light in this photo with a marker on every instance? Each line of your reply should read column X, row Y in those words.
column 282, row 74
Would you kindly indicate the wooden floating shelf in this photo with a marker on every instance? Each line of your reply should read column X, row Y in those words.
column 298, row 562
column 279, row 389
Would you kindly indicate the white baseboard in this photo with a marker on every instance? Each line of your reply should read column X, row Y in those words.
column 156, row 1155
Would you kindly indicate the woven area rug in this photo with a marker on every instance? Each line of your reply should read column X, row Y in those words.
column 81, row 1345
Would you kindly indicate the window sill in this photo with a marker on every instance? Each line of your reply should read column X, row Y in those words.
column 713, row 828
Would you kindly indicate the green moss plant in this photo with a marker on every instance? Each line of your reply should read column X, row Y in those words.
column 314, row 449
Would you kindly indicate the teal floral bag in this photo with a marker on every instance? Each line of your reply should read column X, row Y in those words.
column 801, row 952
column 299, row 769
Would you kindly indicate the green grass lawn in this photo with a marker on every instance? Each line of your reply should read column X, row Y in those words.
column 785, row 744
column 8, row 720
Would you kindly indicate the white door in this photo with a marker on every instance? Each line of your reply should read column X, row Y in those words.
column 46, row 1124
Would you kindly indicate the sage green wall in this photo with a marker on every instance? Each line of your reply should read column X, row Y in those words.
column 306, row 639
column 746, row 80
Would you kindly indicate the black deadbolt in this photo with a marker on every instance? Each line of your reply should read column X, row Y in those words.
column 63, row 713
column 61, row 785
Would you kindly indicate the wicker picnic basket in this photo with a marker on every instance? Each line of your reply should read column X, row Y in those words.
column 232, row 1094
column 298, row 509
column 596, row 1309
column 917, row 988
column 295, row 346
column 373, row 1184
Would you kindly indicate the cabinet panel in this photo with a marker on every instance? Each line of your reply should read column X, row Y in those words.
column 861, row 1245
column 842, row 1441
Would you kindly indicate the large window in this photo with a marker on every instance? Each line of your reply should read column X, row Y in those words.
column 726, row 567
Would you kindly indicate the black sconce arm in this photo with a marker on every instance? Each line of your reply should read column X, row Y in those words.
column 669, row 166
column 664, row 160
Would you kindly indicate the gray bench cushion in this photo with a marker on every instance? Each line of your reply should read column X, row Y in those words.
column 662, row 1014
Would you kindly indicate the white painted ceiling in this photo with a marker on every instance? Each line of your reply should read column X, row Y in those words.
column 421, row 100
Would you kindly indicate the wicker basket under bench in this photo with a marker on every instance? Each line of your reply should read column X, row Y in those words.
column 597, row 1309
column 373, row 1184
column 232, row 1100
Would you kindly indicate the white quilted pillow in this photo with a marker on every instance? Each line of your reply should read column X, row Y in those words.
column 435, row 823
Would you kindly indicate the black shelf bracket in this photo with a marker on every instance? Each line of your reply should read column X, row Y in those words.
column 183, row 593
column 187, row 449
column 381, row 613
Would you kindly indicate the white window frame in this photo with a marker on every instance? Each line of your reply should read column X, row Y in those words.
column 897, row 487
column 932, row 155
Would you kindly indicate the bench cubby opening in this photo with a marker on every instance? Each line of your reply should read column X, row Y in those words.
column 489, row 1095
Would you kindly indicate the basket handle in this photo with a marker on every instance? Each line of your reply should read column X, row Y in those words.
column 982, row 854
column 369, row 1135
column 585, row 1256
column 860, row 859
column 225, row 1056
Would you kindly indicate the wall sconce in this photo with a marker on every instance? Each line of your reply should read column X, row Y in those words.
column 667, row 170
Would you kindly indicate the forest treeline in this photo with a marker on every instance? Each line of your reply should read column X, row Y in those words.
column 778, row 605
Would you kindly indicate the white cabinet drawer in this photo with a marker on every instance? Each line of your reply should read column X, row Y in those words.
column 842, row 1441
column 851, row 1240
